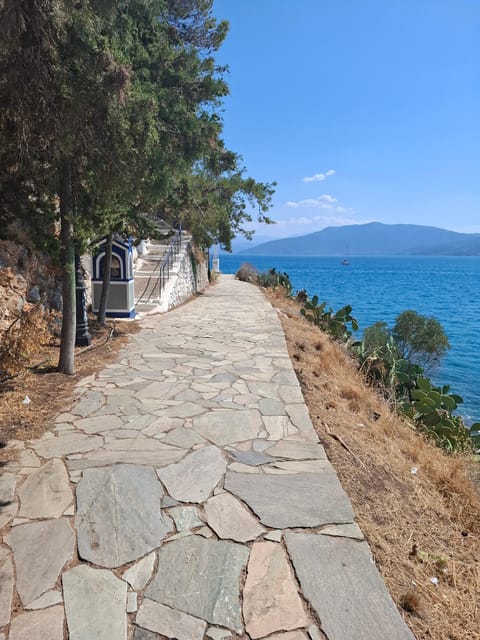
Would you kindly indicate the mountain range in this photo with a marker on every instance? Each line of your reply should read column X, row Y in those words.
column 373, row 239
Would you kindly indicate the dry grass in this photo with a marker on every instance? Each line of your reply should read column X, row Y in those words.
column 50, row 392
column 420, row 525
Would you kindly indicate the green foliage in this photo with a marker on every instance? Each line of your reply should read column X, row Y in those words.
column 383, row 365
column 273, row 278
column 420, row 339
column 333, row 323
column 432, row 410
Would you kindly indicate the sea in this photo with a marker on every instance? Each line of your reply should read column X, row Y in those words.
column 380, row 288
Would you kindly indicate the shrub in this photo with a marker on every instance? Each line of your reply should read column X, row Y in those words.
column 333, row 323
column 431, row 408
column 247, row 273
column 273, row 278
column 420, row 339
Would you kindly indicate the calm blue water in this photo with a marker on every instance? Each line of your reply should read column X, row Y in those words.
column 447, row 288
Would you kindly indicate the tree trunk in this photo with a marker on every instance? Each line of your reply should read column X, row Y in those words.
column 66, row 362
column 107, row 266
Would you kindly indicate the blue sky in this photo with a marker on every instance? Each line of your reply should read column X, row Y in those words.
column 361, row 110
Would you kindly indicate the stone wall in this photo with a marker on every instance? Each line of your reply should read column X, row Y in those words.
column 191, row 278
column 26, row 278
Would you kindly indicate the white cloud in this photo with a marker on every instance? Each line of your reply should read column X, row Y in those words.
column 324, row 201
column 319, row 177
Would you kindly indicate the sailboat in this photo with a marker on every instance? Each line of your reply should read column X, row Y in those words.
column 346, row 260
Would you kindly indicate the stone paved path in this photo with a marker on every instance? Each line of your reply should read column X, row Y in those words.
column 184, row 494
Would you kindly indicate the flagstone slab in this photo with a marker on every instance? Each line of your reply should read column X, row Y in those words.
column 91, row 401
column 279, row 427
column 226, row 427
column 270, row 598
column 185, row 518
column 301, row 466
column 290, row 394
column 95, row 604
column 46, row 492
column 156, row 458
column 98, row 424
column 298, row 414
column 271, row 407
column 293, row 450
column 64, row 444
column 230, row 519
column 143, row 634
column 8, row 482
column 46, row 624
column 139, row 574
column 353, row 602
column 119, row 518
column 26, row 458
column 205, row 583
column 183, row 410
column 154, row 616
column 8, row 512
column 252, row 458
column 289, row 635
column 40, row 550
column 6, row 586
column 181, row 437
column 162, row 424
column 344, row 531
column 292, row 500
column 46, row 600
column 194, row 478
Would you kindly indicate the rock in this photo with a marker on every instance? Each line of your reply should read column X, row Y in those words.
column 270, row 597
column 34, row 295
column 292, row 500
column 95, row 604
column 139, row 574
column 40, row 550
column 46, row 493
column 356, row 603
column 56, row 301
column 168, row 622
column 6, row 586
column 229, row 518
column 227, row 427
column 46, row 624
column 118, row 514
column 194, row 478
column 205, row 583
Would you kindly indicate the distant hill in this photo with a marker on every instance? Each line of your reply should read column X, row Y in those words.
column 373, row 239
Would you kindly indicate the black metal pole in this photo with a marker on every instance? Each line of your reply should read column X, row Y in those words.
column 82, row 336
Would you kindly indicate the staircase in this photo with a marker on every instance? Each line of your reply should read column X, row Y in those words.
column 156, row 271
